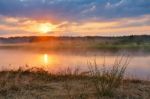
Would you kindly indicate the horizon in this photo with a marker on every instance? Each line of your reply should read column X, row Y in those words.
column 74, row 17
column 118, row 36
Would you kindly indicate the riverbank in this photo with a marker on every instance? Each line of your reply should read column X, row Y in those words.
column 39, row 84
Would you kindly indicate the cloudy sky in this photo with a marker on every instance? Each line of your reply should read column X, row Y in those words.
column 74, row 17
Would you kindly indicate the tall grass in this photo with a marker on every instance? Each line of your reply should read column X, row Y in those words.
column 105, row 81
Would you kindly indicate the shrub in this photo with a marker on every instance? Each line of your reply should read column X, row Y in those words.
column 105, row 81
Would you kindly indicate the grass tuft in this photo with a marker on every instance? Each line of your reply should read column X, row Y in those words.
column 106, row 80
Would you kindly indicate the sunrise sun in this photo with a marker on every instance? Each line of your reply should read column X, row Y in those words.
column 45, row 28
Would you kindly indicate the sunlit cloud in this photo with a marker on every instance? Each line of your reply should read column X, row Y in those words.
column 124, row 26
column 74, row 17
column 25, row 25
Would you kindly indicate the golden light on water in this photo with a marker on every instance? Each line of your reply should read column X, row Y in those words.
column 46, row 59
column 49, row 60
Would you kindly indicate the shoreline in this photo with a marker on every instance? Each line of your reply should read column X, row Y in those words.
column 39, row 84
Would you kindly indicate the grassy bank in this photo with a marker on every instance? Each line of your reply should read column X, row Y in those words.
column 37, row 83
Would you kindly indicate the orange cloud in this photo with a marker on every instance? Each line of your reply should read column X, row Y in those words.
column 126, row 26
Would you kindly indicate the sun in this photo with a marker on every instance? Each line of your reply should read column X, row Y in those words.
column 45, row 28
column 41, row 27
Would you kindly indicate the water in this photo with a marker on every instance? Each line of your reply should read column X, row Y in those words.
column 139, row 66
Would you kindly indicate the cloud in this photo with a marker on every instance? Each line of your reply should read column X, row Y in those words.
column 75, row 17
column 74, row 10
column 27, row 26
column 119, row 3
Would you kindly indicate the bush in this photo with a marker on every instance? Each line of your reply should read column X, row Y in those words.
column 105, row 81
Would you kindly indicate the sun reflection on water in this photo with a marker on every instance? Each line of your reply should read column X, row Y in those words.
column 46, row 59
column 49, row 60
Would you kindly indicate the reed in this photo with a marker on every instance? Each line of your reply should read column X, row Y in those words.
column 105, row 81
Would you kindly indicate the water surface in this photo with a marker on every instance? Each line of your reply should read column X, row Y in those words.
column 53, row 61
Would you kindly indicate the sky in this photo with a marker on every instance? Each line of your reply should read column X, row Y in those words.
column 74, row 17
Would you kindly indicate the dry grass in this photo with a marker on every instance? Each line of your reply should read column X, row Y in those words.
column 107, row 80
column 37, row 83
